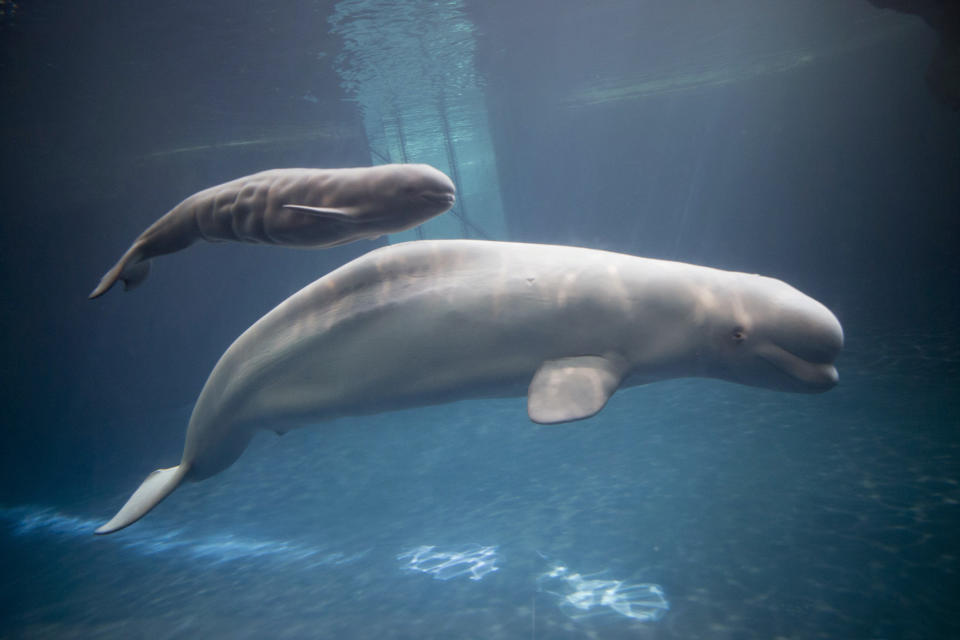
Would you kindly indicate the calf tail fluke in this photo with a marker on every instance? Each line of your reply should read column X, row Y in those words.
column 129, row 269
column 155, row 488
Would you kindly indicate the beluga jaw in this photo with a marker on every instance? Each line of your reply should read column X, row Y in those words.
column 440, row 198
column 807, row 338
column 780, row 338
column 430, row 322
column 434, row 185
column 810, row 377
column 420, row 192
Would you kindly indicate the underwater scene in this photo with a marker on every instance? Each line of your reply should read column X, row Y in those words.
column 480, row 319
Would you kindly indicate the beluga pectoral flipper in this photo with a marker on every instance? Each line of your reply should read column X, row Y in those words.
column 304, row 208
column 429, row 322
column 570, row 389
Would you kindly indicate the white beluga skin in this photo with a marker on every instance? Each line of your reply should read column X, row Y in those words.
column 305, row 208
column 435, row 321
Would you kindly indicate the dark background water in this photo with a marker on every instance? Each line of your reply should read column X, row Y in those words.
column 799, row 141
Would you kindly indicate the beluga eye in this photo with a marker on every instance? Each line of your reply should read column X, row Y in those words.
column 738, row 334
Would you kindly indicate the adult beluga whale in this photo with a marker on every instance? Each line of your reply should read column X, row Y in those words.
column 434, row 321
column 306, row 208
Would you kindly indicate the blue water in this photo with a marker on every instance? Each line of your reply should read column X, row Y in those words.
column 755, row 514
column 805, row 140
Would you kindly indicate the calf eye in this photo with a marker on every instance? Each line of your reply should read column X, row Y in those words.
column 738, row 334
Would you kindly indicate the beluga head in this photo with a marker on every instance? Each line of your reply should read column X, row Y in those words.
column 764, row 333
column 403, row 196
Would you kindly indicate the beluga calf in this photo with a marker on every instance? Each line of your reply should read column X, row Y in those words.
column 305, row 208
column 430, row 322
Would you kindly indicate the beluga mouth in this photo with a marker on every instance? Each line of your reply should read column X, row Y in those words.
column 813, row 377
column 438, row 197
